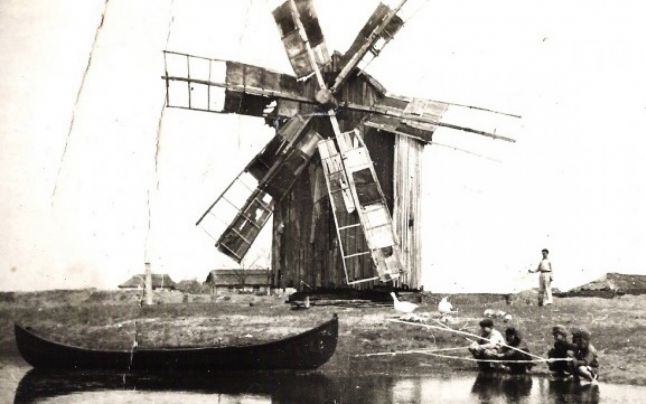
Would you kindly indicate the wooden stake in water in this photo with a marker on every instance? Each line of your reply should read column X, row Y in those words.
column 148, row 285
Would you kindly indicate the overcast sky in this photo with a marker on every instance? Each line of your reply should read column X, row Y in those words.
column 573, row 182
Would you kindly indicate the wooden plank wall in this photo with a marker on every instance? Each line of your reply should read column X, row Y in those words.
column 408, row 206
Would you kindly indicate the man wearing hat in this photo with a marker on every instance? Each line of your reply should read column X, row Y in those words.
column 518, row 361
column 585, row 364
column 562, row 349
column 488, row 346
column 544, row 279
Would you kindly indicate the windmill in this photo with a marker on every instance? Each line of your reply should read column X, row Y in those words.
column 317, row 175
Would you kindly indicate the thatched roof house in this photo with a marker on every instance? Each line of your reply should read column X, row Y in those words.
column 239, row 278
column 159, row 281
column 610, row 285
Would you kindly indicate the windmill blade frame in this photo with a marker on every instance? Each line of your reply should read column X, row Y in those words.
column 382, row 25
column 302, row 36
column 276, row 168
column 394, row 117
column 224, row 86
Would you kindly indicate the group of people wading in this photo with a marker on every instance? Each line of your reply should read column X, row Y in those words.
column 575, row 358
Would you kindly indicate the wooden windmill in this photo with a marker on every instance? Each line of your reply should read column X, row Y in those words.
column 345, row 155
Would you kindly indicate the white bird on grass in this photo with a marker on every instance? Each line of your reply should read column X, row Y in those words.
column 444, row 306
column 403, row 307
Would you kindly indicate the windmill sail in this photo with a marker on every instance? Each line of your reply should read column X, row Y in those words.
column 380, row 28
column 246, row 208
column 287, row 17
column 238, row 237
column 419, row 118
column 214, row 85
column 431, row 110
column 350, row 171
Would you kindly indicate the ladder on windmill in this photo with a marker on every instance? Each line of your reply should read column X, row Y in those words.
column 370, row 214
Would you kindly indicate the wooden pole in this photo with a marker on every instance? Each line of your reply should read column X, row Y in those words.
column 148, row 285
column 504, row 361
column 411, row 351
column 464, row 333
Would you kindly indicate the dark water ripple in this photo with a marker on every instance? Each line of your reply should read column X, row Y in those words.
column 291, row 387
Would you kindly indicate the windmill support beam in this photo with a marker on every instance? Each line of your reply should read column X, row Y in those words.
column 407, row 206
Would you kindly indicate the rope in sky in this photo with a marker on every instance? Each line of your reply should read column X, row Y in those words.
column 160, row 119
column 469, row 152
column 241, row 39
column 78, row 96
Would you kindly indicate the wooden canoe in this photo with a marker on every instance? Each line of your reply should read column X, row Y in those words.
column 308, row 350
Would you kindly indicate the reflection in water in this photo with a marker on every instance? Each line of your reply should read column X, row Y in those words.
column 273, row 387
column 309, row 388
column 489, row 387
column 565, row 392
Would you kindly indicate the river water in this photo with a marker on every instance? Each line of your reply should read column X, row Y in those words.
column 21, row 384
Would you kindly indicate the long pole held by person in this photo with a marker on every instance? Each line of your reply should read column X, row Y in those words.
column 544, row 279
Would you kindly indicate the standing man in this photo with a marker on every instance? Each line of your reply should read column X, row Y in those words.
column 544, row 279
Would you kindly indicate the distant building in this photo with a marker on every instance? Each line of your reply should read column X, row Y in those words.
column 159, row 281
column 610, row 285
column 192, row 286
column 239, row 279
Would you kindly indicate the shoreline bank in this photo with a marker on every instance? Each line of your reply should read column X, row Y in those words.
column 617, row 326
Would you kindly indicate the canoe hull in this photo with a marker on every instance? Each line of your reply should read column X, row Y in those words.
column 308, row 350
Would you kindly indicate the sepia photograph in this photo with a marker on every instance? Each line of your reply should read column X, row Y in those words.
column 322, row 201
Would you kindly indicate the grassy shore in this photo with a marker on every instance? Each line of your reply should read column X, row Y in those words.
column 114, row 320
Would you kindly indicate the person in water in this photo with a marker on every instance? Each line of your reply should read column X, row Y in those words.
column 585, row 364
column 562, row 349
column 488, row 346
column 514, row 339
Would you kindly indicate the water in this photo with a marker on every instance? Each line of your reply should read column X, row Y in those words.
column 309, row 388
